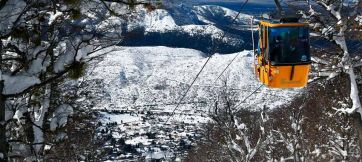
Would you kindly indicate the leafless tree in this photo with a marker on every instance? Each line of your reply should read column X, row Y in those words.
column 42, row 43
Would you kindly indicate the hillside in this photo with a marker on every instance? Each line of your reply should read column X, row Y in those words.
column 138, row 87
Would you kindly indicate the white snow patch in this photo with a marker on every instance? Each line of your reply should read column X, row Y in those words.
column 19, row 113
column 119, row 118
column 64, row 60
column 206, row 29
column 313, row 34
column 159, row 20
column 54, row 16
column 37, row 66
column 60, row 116
column 18, row 83
column 9, row 13
column 112, row 25
column 140, row 139
column 205, row 11
column 359, row 19
column 8, row 114
column 156, row 155
column 47, row 147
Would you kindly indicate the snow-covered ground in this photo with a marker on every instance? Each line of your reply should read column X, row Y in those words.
column 140, row 77
column 151, row 80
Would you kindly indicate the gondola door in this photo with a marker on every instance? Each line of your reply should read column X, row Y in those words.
column 262, row 67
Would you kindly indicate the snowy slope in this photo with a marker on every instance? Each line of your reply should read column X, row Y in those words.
column 138, row 76
column 138, row 88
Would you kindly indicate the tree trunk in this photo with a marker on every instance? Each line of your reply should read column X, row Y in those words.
column 3, row 143
column 39, row 122
column 357, row 116
column 358, row 124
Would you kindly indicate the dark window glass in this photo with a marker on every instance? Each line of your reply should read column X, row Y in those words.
column 289, row 45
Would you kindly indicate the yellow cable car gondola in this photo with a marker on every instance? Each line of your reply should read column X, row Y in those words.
column 283, row 55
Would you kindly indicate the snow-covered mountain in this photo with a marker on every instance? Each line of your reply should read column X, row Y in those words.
column 146, row 83
column 205, row 25
column 212, row 14
column 162, row 20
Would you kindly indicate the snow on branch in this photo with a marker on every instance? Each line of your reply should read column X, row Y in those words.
column 337, row 32
column 319, row 60
column 39, row 117
column 60, row 116
column 18, row 83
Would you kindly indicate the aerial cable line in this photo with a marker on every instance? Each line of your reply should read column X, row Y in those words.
column 208, row 59
column 252, row 38
column 279, row 7
column 252, row 33
column 226, row 67
column 248, row 96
